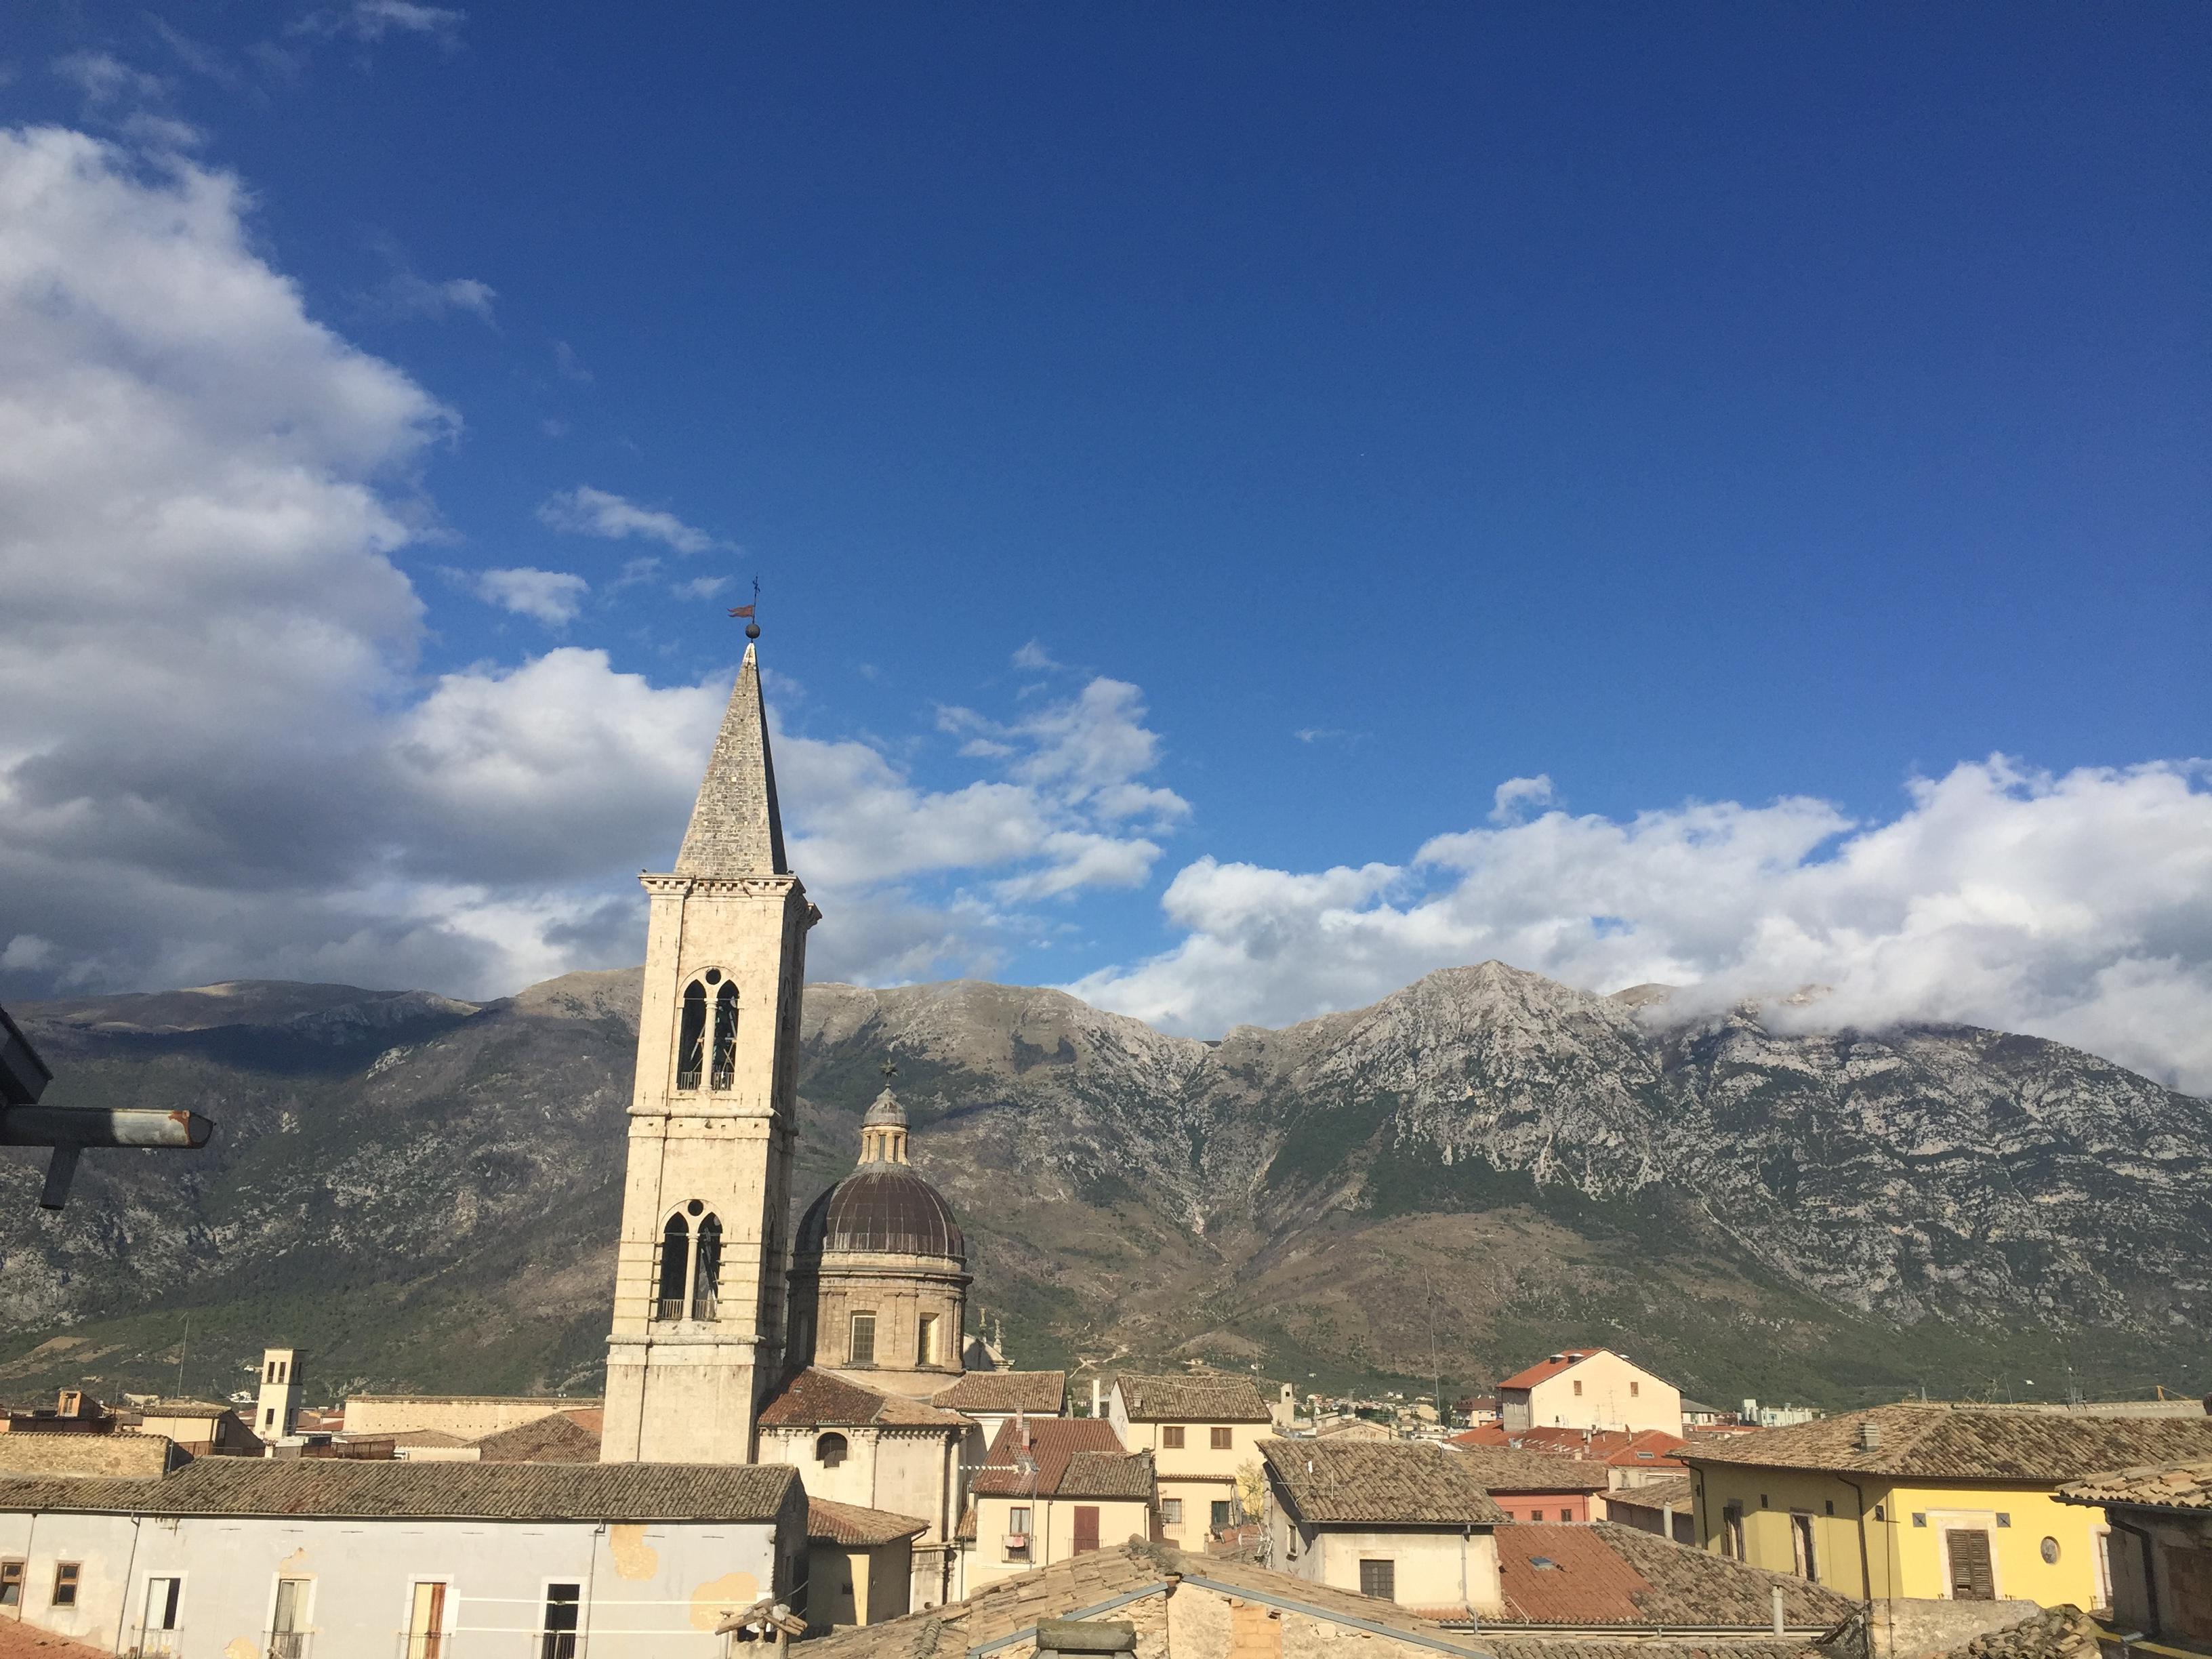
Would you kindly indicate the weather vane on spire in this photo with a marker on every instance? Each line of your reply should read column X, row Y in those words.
column 752, row 628
column 889, row 1069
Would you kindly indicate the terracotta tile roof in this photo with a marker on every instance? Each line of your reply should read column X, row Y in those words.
column 1081, row 1583
column 1609, row 1574
column 819, row 1399
column 1640, row 1449
column 1043, row 1393
column 857, row 1528
column 1502, row 1469
column 389, row 1491
column 964, row 1529
column 432, row 1438
column 1964, row 1443
column 2183, row 1485
column 1075, row 1457
column 2059, row 1632
column 1400, row 1483
column 1544, row 1369
column 1655, row 1497
column 1208, row 1397
column 561, row 1437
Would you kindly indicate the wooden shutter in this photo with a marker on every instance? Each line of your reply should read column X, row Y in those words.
column 1086, row 1527
column 1973, row 1577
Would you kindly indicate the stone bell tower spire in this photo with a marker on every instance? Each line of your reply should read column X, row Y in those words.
column 701, row 1268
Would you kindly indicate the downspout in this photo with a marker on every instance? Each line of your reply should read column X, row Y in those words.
column 123, row 1612
column 1866, row 1566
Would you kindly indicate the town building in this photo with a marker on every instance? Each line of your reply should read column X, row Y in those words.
column 1629, row 1457
column 2160, row 1546
column 1667, row 1508
column 463, row 1416
column 1928, row 1501
column 1201, row 1429
column 697, row 1336
column 990, row 1400
column 859, row 1564
column 202, row 1428
column 1404, row 1521
column 1054, row 1489
column 1589, row 1389
column 857, row 1445
column 334, row 1559
column 278, row 1402
column 1532, row 1486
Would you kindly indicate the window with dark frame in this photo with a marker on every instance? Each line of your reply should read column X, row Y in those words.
column 11, row 1584
column 675, row 1257
column 1220, row 1439
column 691, row 1037
column 1171, row 1511
column 829, row 1450
column 1379, row 1580
column 1171, row 1438
column 66, row 1574
column 862, row 1349
column 557, row 1633
column 706, row 1276
column 725, row 1069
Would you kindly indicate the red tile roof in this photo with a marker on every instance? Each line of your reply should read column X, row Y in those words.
column 1547, row 1368
column 1075, row 1457
column 1502, row 1469
column 1608, row 1574
column 857, row 1528
column 820, row 1399
column 1642, row 1448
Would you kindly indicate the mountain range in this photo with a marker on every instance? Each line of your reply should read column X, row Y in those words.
column 1478, row 1170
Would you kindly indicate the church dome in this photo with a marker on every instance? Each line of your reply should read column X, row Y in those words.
column 883, row 1208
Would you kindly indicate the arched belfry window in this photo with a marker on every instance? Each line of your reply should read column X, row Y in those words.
column 675, row 1260
column 707, row 1280
column 725, row 1038
column 691, row 1036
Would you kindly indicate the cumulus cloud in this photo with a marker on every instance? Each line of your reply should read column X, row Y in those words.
column 2076, row 906
column 220, row 760
column 553, row 597
column 585, row 511
column 1035, row 657
column 1516, row 798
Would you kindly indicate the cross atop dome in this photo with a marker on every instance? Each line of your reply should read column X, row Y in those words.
column 883, row 1130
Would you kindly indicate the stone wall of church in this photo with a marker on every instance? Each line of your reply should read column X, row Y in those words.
column 899, row 1292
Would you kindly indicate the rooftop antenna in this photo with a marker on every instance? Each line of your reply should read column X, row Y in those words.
column 752, row 627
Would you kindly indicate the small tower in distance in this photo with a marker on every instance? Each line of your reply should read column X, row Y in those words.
column 279, row 1405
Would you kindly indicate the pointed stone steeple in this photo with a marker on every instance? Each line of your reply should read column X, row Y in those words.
column 736, row 830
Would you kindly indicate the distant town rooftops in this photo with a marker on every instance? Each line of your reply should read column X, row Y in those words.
column 1506, row 1469
column 1205, row 1397
column 401, row 1491
column 2186, row 1485
column 1042, row 1392
column 1608, row 1574
column 1381, row 1483
column 1963, row 1443
column 556, row 1437
column 1659, row 1496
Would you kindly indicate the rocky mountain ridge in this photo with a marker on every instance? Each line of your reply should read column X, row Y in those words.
column 1483, row 1163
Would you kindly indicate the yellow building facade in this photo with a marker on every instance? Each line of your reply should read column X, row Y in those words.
column 1926, row 1501
column 1201, row 1431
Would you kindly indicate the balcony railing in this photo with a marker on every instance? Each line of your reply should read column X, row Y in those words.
column 287, row 1644
column 557, row 1644
column 154, row 1644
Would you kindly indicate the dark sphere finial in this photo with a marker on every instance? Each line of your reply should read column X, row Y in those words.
column 752, row 630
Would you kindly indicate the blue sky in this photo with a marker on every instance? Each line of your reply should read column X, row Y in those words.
column 1736, row 406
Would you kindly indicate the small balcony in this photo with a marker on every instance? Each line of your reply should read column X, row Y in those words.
column 288, row 1644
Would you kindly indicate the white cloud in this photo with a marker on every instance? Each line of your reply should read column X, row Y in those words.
column 1035, row 657
column 372, row 20
column 104, row 79
column 1516, row 798
column 585, row 511
column 571, row 366
column 700, row 587
column 553, row 597
column 406, row 294
column 2077, row 907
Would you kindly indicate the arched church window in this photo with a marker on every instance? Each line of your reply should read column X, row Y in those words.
column 829, row 1450
column 675, row 1258
column 707, row 1280
column 725, row 1038
column 691, row 1036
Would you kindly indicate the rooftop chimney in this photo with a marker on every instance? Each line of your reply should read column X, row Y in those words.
column 1869, row 1435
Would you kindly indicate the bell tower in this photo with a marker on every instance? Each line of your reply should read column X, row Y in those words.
column 700, row 1271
